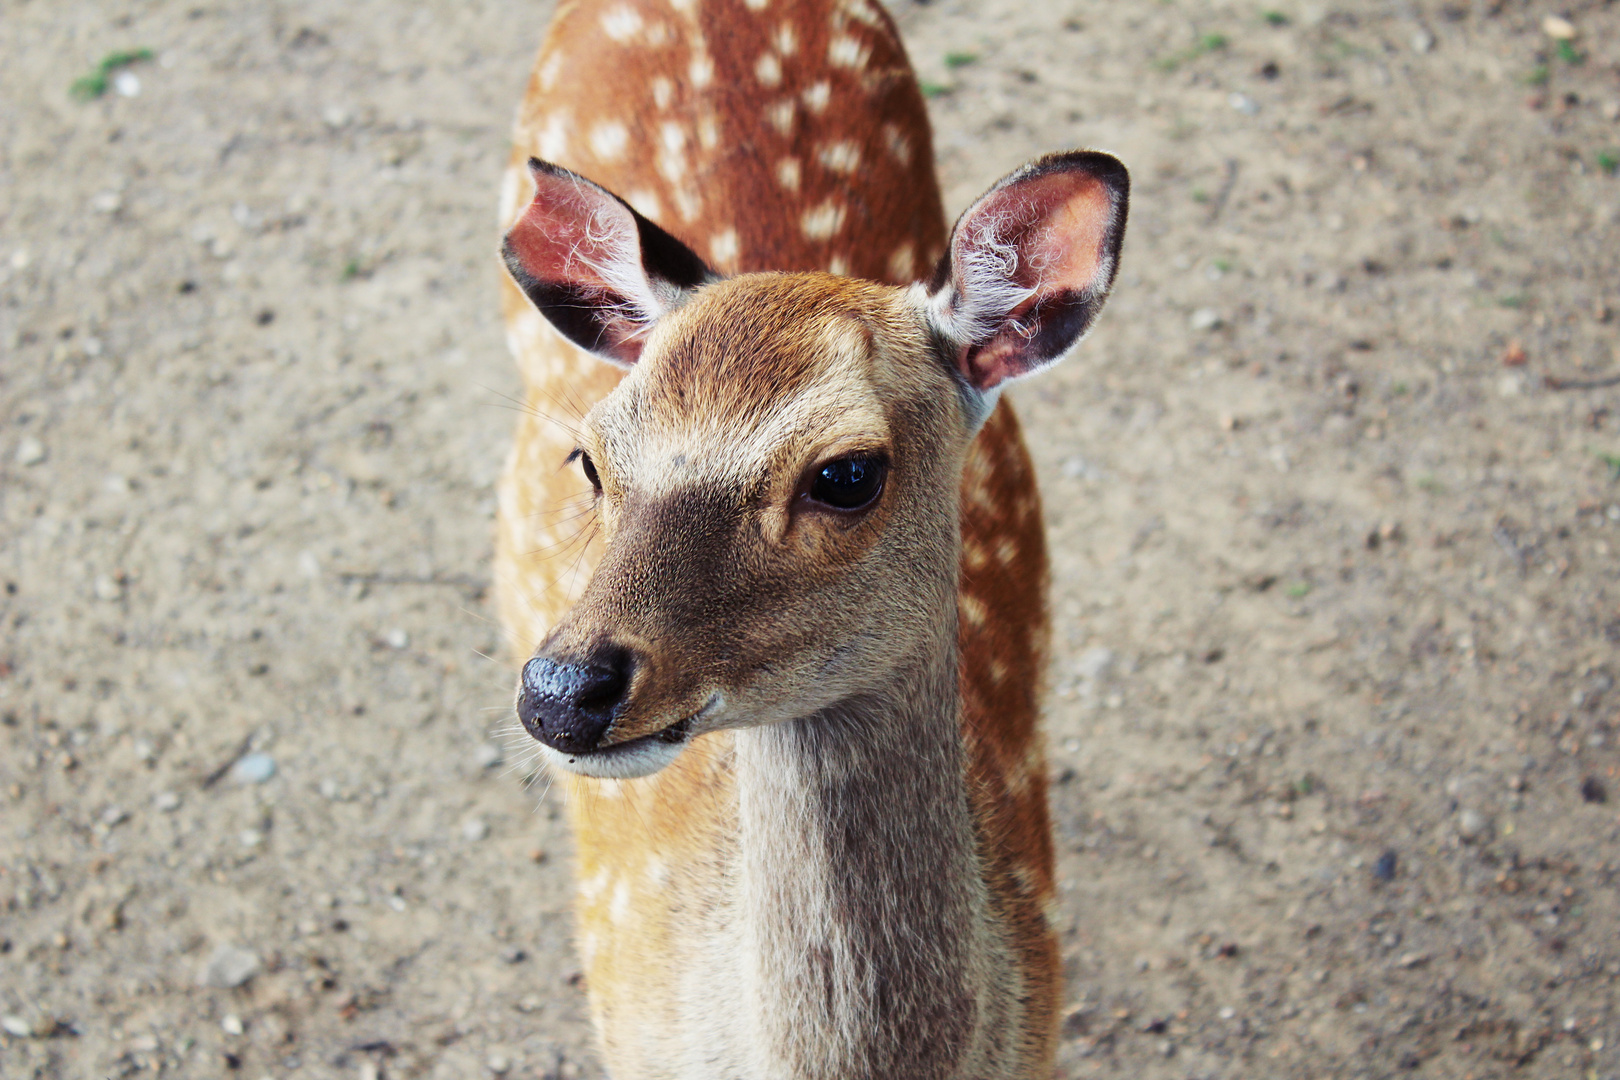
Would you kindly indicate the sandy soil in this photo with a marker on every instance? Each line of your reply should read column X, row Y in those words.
column 1337, row 616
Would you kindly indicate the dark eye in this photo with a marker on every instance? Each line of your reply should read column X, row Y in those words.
column 849, row 483
column 588, row 467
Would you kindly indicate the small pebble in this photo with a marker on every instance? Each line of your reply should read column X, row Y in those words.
column 1471, row 824
column 1594, row 791
column 1422, row 41
column 1243, row 103
column 474, row 829
column 108, row 588
column 513, row 955
column 1227, row 1013
column 16, row 1027
column 30, row 451
column 488, row 756
column 127, row 83
column 1205, row 319
column 396, row 638
column 250, row 838
column 232, row 1024
column 113, row 815
column 1095, row 662
column 228, row 967
column 1558, row 28
column 166, row 801
column 1384, row 869
column 254, row 768
column 498, row 1064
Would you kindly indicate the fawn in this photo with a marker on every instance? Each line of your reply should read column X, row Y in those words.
column 792, row 690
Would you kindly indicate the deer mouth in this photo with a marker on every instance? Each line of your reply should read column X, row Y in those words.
column 641, row 756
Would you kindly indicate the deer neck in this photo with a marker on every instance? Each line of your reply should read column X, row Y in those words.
column 863, row 909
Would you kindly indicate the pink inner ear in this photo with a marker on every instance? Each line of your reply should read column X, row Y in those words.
column 575, row 236
column 1060, row 224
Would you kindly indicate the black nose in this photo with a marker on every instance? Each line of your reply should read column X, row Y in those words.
column 569, row 706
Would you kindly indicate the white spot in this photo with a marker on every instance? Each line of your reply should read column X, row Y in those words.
column 898, row 144
column 786, row 39
column 903, row 267
column 723, row 247
column 658, row 33
column 701, row 70
column 768, row 70
column 511, row 194
column 591, row 886
column 973, row 609
column 688, row 205
column 619, row 908
column 671, row 156
column 755, row 5
column 622, row 23
column 1007, row 551
column 998, row 672
column 553, row 140
column 608, row 140
column 708, row 131
column 817, row 96
column 820, row 222
column 845, row 51
column 862, row 12
column 645, row 201
column 587, row 947
column 657, row 871
column 787, row 173
column 663, row 91
column 842, row 156
column 549, row 71
column 683, row 6
column 780, row 116
column 838, row 265
column 973, row 553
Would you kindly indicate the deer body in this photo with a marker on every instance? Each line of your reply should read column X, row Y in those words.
column 797, row 737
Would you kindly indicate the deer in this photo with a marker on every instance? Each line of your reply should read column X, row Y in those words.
column 786, row 664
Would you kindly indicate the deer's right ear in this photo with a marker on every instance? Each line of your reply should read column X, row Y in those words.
column 599, row 271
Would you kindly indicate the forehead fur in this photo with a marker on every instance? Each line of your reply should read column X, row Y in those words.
column 746, row 345
column 775, row 367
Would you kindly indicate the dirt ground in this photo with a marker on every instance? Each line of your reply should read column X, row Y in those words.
column 1336, row 553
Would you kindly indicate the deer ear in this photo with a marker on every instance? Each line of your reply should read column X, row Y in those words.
column 599, row 271
column 1029, row 266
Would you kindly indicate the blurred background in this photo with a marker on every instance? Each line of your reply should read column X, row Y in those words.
column 1332, row 495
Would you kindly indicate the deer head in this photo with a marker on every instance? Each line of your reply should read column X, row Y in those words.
column 777, row 477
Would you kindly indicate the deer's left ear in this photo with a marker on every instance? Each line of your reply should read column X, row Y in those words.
column 1029, row 266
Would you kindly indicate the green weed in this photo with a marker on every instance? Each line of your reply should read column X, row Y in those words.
column 1274, row 18
column 1299, row 590
column 1207, row 44
column 91, row 86
column 954, row 60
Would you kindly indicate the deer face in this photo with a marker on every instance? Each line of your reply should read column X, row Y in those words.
column 777, row 478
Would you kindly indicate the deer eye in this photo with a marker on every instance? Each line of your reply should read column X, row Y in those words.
column 588, row 467
column 849, row 483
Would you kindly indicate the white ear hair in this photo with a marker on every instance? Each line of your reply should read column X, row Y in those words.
column 987, row 267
